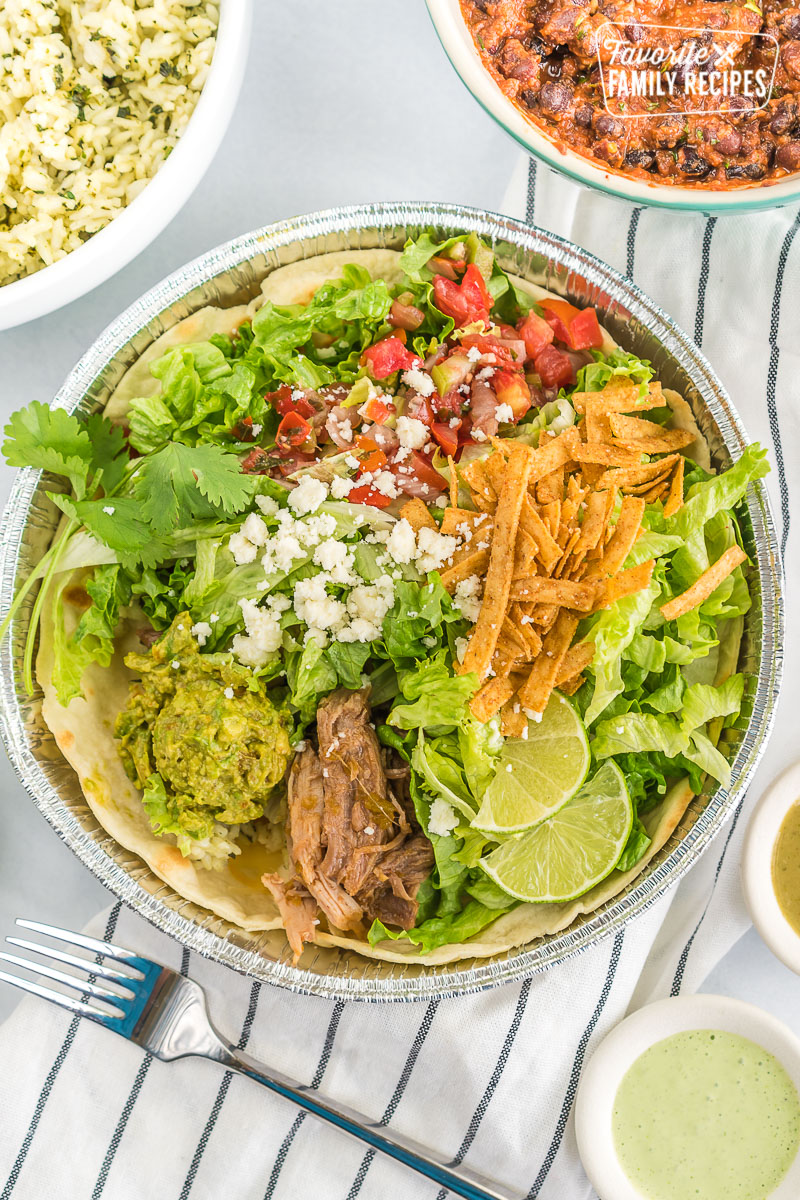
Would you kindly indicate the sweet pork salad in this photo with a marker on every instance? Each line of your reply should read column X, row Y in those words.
column 403, row 615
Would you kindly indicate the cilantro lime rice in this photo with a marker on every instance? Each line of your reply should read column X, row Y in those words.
column 93, row 98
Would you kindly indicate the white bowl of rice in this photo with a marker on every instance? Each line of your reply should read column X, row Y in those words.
column 110, row 113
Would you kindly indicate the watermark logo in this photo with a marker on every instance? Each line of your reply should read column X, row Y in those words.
column 696, row 70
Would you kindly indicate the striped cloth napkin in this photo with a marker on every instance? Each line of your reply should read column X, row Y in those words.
column 489, row 1078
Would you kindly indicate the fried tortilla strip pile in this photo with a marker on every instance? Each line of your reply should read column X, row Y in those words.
column 549, row 534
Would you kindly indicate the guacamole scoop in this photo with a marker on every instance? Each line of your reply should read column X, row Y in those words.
column 200, row 736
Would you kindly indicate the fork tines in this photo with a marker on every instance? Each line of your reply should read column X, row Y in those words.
column 115, row 1003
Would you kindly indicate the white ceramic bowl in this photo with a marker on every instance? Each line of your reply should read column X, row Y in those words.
column 166, row 193
column 759, row 844
column 459, row 47
column 601, row 1078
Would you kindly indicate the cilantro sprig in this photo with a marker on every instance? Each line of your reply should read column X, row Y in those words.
column 132, row 506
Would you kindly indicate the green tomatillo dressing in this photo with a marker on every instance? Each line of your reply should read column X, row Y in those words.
column 708, row 1115
column 786, row 867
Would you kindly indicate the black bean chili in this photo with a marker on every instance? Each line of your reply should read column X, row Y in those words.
column 544, row 56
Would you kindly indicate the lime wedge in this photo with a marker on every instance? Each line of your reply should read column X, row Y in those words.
column 538, row 775
column 569, row 853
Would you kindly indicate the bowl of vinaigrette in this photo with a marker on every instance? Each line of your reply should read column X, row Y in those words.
column 693, row 1098
column 771, row 868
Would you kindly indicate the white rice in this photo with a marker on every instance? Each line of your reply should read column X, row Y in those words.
column 228, row 840
column 94, row 95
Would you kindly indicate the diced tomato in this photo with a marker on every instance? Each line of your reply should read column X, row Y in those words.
column 368, row 495
column 364, row 443
column 585, row 332
column 446, row 435
column 578, row 328
column 375, row 461
column 377, row 410
column 416, row 477
column 506, row 331
column 558, row 314
column 444, row 266
column 554, row 367
column 511, row 389
column 293, row 462
column 243, row 430
column 536, row 333
column 487, row 343
column 420, row 409
column 466, row 301
column 282, row 402
column 256, row 462
column 293, row 432
column 389, row 355
column 449, row 405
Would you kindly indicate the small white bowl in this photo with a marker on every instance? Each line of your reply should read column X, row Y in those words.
column 765, row 823
column 617, row 1053
column 460, row 48
column 142, row 221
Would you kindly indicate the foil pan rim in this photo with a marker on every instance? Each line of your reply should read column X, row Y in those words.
column 97, row 851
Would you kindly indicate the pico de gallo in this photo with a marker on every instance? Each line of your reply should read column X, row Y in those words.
column 452, row 355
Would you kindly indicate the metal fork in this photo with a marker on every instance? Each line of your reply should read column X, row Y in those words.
column 165, row 1013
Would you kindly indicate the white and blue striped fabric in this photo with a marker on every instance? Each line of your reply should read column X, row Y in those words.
column 489, row 1078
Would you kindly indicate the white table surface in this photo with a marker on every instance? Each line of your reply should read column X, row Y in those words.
column 344, row 102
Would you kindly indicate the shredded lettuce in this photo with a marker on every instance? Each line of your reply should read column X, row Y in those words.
column 618, row 364
column 612, row 632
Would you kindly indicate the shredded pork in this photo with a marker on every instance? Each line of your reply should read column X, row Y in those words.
column 355, row 855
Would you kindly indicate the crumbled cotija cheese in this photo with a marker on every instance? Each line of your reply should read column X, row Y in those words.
column 412, row 433
column 308, row 495
column 443, row 819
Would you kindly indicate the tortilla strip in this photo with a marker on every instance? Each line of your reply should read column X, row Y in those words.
column 707, row 583
column 569, row 547
column 675, row 498
column 501, row 565
column 484, row 496
column 457, row 521
column 605, row 455
column 562, row 592
column 536, row 690
column 549, row 550
column 598, row 426
column 570, row 686
column 652, row 437
column 630, row 477
column 474, row 562
column 495, row 467
column 513, row 721
column 618, row 396
column 551, row 488
column 522, row 622
column 524, row 555
column 574, row 661
column 491, row 697
column 626, row 530
column 653, row 493
column 453, row 486
column 416, row 513
column 553, row 453
column 628, row 582
column 595, row 520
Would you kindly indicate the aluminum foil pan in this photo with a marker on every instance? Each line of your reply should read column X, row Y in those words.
column 230, row 275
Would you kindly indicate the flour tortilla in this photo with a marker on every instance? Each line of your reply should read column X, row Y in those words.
column 84, row 730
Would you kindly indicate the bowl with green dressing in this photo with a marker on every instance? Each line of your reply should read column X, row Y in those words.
column 693, row 1098
column 771, row 867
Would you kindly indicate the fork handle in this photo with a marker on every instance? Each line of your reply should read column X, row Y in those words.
column 458, row 1179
